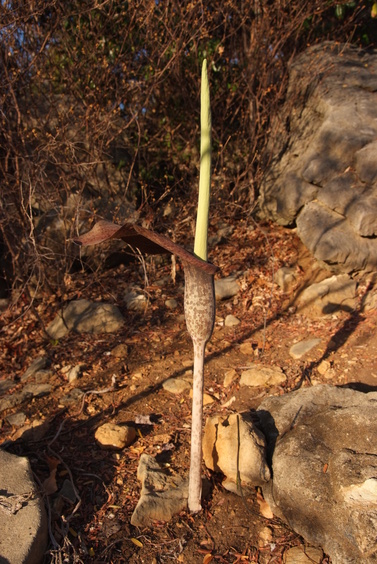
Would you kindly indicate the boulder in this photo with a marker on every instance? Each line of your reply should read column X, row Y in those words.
column 224, row 437
column 322, row 446
column 23, row 521
column 323, row 172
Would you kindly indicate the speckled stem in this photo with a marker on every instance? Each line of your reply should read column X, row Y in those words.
column 200, row 317
column 195, row 477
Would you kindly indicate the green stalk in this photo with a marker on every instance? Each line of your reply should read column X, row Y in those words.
column 201, row 232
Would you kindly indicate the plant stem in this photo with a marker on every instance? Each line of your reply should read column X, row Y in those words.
column 201, row 232
column 200, row 317
column 195, row 478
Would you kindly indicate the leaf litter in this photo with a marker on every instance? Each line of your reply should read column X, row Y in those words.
column 96, row 526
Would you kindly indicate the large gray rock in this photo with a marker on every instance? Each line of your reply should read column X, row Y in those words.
column 323, row 174
column 84, row 316
column 23, row 522
column 322, row 442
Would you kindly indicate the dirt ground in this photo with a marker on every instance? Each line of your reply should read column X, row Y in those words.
column 95, row 526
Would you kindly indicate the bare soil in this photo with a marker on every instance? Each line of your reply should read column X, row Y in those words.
column 95, row 526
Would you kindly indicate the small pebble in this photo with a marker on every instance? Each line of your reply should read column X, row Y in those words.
column 231, row 321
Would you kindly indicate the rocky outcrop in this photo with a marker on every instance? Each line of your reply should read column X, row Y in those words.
column 323, row 173
column 323, row 451
column 23, row 521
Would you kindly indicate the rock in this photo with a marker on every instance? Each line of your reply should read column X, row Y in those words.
column 231, row 321
column 207, row 398
column 224, row 437
column 120, row 351
column 226, row 288
column 37, row 365
column 38, row 390
column 162, row 494
column 337, row 293
column 14, row 399
column 265, row 536
column 321, row 441
column 113, row 436
column 171, row 304
column 247, row 348
column 176, row 385
column 16, row 419
column 135, row 301
column 73, row 396
column 259, row 375
column 323, row 168
column 230, row 377
column 35, row 431
column 84, row 316
column 323, row 367
column 23, row 522
column 298, row 350
column 303, row 555
column 6, row 385
column 285, row 277
column 73, row 373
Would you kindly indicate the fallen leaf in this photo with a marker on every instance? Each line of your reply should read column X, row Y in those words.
column 136, row 542
column 264, row 507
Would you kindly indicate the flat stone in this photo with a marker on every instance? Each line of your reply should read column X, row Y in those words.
column 38, row 390
column 176, row 385
column 34, row 431
column 336, row 293
column 298, row 350
column 16, row 419
column 73, row 373
column 6, row 385
column 230, row 377
column 14, row 400
column 113, row 436
column 231, row 321
column 226, row 288
column 171, row 303
column 285, row 277
column 303, row 555
column 23, row 522
column 162, row 494
column 120, row 351
column 38, row 364
column 260, row 375
column 73, row 396
column 84, row 316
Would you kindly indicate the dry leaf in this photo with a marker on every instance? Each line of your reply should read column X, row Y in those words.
column 264, row 508
column 50, row 485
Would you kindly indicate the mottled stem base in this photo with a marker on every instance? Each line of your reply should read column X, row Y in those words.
column 195, row 478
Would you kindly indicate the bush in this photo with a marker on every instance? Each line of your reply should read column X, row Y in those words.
column 100, row 109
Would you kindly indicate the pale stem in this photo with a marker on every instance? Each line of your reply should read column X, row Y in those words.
column 201, row 232
column 195, row 479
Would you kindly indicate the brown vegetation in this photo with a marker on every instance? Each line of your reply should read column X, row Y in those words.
column 99, row 109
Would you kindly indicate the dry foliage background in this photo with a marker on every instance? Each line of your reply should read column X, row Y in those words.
column 99, row 110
